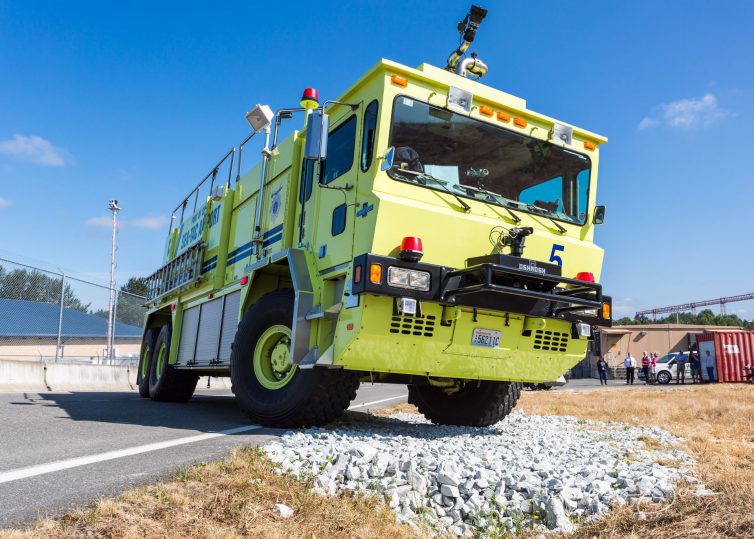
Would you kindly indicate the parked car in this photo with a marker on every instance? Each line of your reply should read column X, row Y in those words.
column 667, row 369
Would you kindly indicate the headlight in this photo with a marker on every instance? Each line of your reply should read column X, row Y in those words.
column 408, row 278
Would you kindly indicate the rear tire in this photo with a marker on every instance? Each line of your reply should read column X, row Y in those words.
column 166, row 383
column 664, row 377
column 145, row 362
column 271, row 390
column 477, row 404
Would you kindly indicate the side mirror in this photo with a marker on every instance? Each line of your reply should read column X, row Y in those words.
column 316, row 135
column 387, row 161
column 599, row 215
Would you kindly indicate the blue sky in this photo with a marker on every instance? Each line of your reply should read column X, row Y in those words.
column 138, row 101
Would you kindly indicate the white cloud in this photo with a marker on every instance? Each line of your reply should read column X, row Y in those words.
column 4, row 202
column 102, row 221
column 623, row 307
column 647, row 122
column 686, row 113
column 148, row 223
column 35, row 150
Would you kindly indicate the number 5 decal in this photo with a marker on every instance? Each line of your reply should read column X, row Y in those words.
column 554, row 257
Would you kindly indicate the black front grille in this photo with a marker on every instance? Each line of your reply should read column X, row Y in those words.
column 554, row 341
column 419, row 326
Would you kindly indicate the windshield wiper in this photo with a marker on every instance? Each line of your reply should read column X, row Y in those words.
column 419, row 176
column 543, row 213
column 494, row 197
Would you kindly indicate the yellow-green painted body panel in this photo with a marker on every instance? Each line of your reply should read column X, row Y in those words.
column 448, row 351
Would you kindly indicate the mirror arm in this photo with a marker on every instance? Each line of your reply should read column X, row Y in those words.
column 283, row 114
column 354, row 106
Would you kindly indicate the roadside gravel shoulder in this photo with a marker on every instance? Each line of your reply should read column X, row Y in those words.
column 525, row 472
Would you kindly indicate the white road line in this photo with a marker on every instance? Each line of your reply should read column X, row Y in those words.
column 32, row 471
column 377, row 402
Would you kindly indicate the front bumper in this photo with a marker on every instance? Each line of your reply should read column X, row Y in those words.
column 495, row 286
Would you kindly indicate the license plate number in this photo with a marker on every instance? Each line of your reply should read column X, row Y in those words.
column 486, row 338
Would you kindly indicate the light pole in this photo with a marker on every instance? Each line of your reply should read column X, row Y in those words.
column 114, row 208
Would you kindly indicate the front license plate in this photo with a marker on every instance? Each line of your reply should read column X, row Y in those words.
column 486, row 338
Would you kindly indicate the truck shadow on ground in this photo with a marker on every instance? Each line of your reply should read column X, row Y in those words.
column 206, row 413
column 360, row 424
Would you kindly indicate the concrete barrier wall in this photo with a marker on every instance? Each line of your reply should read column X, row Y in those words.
column 221, row 382
column 22, row 375
column 62, row 376
column 43, row 376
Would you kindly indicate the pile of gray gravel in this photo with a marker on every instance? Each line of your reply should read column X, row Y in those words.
column 526, row 471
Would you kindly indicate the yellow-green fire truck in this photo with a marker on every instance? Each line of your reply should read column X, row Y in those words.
column 424, row 229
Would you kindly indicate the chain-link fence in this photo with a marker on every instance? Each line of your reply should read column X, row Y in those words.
column 49, row 316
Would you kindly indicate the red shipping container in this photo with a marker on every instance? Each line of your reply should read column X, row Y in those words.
column 733, row 351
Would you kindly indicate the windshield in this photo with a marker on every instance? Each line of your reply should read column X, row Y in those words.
column 481, row 161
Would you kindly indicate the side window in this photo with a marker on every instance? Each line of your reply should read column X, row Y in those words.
column 338, row 224
column 340, row 146
column 367, row 135
column 307, row 177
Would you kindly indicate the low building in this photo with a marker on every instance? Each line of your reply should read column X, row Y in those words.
column 29, row 331
column 614, row 343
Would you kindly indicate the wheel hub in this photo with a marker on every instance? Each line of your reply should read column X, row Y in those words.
column 280, row 358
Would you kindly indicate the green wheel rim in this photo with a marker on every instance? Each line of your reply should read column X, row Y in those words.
column 145, row 362
column 272, row 358
column 161, row 359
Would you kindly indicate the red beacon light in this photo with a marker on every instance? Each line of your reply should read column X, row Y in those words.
column 310, row 99
column 411, row 249
column 586, row 276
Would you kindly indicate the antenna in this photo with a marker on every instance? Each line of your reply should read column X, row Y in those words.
column 467, row 28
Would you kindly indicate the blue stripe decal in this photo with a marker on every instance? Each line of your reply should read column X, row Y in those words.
column 212, row 266
column 239, row 256
column 272, row 240
column 210, row 261
column 272, row 231
column 236, row 251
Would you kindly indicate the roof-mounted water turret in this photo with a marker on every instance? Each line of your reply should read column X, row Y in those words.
column 467, row 28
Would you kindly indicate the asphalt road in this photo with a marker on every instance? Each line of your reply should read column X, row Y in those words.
column 61, row 450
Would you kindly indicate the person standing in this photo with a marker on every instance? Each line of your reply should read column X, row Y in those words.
column 680, row 366
column 645, row 366
column 630, row 364
column 653, row 369
column 602, row 370
column 709, row 364
column 696, row 367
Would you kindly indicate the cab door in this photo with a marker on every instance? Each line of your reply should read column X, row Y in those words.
column 334, row 195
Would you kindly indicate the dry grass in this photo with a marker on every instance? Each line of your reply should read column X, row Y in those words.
column 718, row 424
column 402, row 407
column 230, row 499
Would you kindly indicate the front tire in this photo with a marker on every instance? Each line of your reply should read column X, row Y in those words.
column 145, row 362
column 166, row 383
column 270, row 389
column 477, row 404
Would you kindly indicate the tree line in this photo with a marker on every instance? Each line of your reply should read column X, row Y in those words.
column 31, row 285
column 702, row 318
